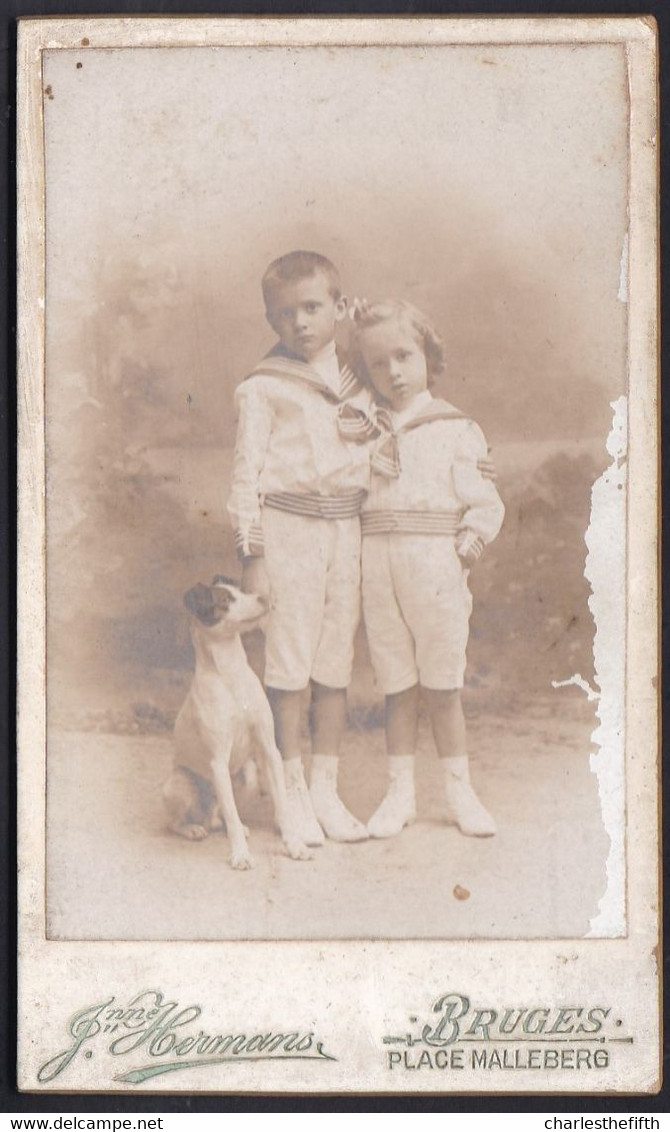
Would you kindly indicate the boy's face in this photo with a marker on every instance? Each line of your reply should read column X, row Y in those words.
column 304, row 314
column 395, row 362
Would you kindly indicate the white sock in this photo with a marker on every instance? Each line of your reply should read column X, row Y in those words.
column 325, row 766
column 300, row 803
column 464, row 807
column 458, row 768
column 401, row 766
column 330, row 811
column 398, row 807
column 294, row 774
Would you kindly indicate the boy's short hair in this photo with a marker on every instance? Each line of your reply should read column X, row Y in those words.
column 299, row 265
column 366, row 314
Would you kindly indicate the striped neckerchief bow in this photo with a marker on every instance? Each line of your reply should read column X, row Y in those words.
column 280, row 362
column 357, row 425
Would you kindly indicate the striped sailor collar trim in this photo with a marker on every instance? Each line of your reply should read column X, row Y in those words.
column 420, row 402
column 426, row 411
column 282, row 362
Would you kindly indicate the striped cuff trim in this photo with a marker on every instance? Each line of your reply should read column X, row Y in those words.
column 469, row 543
column 250, row 543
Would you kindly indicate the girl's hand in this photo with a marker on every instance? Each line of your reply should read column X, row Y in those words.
column 255, row 577
column 469, row 547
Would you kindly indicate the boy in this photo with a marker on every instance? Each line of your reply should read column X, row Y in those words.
column 297, row 490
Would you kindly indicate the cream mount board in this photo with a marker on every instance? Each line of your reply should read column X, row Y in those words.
column 500, row 176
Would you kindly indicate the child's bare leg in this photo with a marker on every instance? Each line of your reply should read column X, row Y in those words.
column 402, row 721
column 448, row 723
column 287, row 714
column 398, row 807
column 328, row 719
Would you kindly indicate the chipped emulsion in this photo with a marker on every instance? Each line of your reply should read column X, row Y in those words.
column 606, row 572
column 622, row 294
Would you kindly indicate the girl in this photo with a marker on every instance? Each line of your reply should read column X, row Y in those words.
column 429, row 514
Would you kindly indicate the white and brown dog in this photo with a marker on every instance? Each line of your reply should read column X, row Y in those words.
column 224, row 717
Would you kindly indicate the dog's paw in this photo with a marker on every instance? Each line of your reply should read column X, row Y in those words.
column 194, row 832
column 242, row 860
column 298, row 851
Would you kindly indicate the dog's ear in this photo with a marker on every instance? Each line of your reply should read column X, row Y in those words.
column 200, row 603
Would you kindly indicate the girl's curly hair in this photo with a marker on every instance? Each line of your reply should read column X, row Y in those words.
column 365, row 314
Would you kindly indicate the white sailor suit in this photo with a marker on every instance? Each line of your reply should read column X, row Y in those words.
column 297, row 490
column 428, row 501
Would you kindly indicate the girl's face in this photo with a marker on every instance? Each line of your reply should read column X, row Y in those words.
column 395, row 362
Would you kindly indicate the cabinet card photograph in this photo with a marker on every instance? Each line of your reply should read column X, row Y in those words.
column 338, row 535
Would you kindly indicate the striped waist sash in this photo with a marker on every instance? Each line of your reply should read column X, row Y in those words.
column 317, row 506
column 410, row 522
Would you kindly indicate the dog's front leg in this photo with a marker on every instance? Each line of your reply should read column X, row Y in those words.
column 240, row 857
column 295, row 846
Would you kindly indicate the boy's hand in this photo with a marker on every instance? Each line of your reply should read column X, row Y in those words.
column 255, row 577
column 468, row 558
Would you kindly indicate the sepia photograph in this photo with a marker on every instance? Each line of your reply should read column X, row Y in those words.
column 337, row 364
column 213, row 411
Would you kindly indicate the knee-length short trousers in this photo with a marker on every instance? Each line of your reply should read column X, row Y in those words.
column 417, row 606
column 315, row 579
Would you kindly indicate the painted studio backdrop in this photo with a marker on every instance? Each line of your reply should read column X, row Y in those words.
column 487, row 185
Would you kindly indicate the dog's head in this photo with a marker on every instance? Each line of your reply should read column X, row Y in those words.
column 224, row 604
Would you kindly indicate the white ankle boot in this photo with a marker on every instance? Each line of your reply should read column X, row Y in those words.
column 398, row 808
column 463, row 806
column 331, row 812
column 300, row 812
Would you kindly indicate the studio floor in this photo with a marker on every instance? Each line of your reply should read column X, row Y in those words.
column 116, row 872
